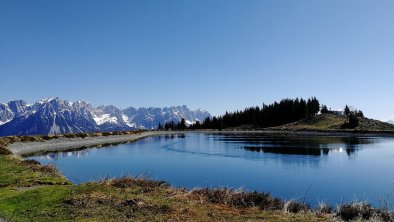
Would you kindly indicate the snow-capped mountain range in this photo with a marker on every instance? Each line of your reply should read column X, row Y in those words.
column 56, row 116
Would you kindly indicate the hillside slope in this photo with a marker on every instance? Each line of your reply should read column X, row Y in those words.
column 333, row 122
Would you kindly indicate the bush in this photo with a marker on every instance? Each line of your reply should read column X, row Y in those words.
column 49, row 169
column 4, row 151
column 361, row 210
column 31, row 162
column 145, row 184
column 239, row 198
column 324, row 209
column 106, row 133
column 293, row 206
column 69, row 135
column 46, row 137
column 29, row 139
column 81, row 135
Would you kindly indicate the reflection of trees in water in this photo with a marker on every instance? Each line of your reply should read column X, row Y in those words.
column 284, row 150
column 298, row 150
column 293, row 139
column 172, row 136
column 296, row 145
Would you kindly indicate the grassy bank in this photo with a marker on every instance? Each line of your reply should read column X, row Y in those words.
column 31, row 192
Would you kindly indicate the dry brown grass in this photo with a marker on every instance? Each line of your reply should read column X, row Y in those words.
column 238, row 198
column 293, row 206
column 363, row 211
column 323, row 209
column 146, row 185
column 138, row 199
column 4, row 151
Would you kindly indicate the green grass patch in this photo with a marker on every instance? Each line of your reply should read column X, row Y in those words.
column 14, row 172
column 43, row 203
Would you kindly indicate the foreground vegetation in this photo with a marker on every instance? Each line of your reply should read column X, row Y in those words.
column 31, row 192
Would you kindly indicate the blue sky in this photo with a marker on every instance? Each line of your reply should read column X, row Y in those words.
column 215, row 54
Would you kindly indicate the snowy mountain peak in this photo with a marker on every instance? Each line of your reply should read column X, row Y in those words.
column 55, row 116
column 6, row 114
column 46, row 100
column 17, row 106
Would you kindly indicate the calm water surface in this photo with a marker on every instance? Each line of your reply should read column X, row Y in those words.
column 337, row 169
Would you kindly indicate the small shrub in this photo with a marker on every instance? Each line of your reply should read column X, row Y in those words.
column 81, row 135
column 361, row 210
column 46, row 137
column 31, row 162
column 12, row 139
column 146, row 185
column 4, row 151
column 293, row 206
column 239, row 198
column 50, row 137
column 69, row 135
column 106, row 133
column 129, row 202
column 49, row 169
column 3, row 142
column 30, row 139
column 324, row 208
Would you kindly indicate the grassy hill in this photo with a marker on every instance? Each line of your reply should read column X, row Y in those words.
column 333, row 122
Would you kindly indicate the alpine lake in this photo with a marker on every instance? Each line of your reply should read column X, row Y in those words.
column 330, row 169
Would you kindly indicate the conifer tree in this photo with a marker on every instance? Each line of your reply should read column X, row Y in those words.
column 286, row 111
column 159, row 127
column 346, row 111
column 324, row 109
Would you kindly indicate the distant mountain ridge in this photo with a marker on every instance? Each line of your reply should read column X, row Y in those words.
column 56, row 116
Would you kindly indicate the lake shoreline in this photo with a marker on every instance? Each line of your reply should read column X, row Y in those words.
column 109, row 193
column 78, row 143
column 68, row 144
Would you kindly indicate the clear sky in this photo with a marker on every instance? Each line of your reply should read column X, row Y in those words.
column 215, row 54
